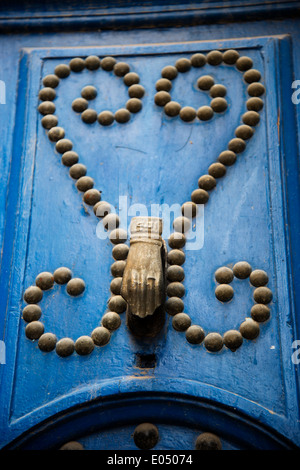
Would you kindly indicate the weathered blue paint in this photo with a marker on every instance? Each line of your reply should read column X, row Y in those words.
column 253, row 214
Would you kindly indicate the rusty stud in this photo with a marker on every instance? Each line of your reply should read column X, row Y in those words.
column 224, row 292
column 122, row 115
column 195, row 334
column 175, row 289
column 92, row 62
column 230, row 56
column 89, row 116
column 63, row 145
column 70, row 158
column 136, row 91
column 75, row 286
column 106, row 118
column 207, row 440
column 206, row 182
column 100, row 336
column 46, row 107
column 33, row 295
column 117, row 236
column 120, row 251
column 174, row 305
column 101, row 209
column 199, row 196
column 242, row 270
column 175, row 273
column 84, row 345
column 92, row 196
column 34, row 330
column 84, row 183
column 31, row 312
column 111, row 221
column 205, row 82
column 47, row 94
column 89, row 92
column 181, row 322
column 205, row 113
column 108, row 63
column 169, row 72
column 214, row 58
column 65, row 347
column 62, row 70
column 62, row 275
column 77, row 171
column 111, row 321
column 146, row 436
column 79, row 105
column 256, row 89
column 51, row 81
column 249, row 329
column 44, row 280
column 244, row 63
column 115, row 286
column 262, row 295
column 227, row 157
column 233, row 339
column 237, row 145
column 224, row 275
column 176, row 257
column 77, row 64
column 198, row 60
column 117, row 304
column 161, row 98
column 259, row 278
column 56, row 133
column 177, row 240
column 172, row 108
column 134, row 105
column 213, row 341
column 260, row 313
column 183, row 65
column 47, row 342
column 163, row 84
column 49, row 121
column 217, row 170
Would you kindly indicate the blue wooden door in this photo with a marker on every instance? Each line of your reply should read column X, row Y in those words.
column 246, row 396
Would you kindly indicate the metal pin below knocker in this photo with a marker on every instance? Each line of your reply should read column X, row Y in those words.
column 143, row 285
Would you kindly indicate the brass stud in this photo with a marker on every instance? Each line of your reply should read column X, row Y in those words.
column 181, row 224
column 227, row 157
column 176, row 257
column 117, row 268
column 77, row 64
column 183, row 65
column 217, row 170
column 136, row 91
column 33, row 295
column 47, row 94
column 169, row 72
column 218, row 91
column 47, row 342
column 131, row 78
column 230, row 56
column 207, row 440
column 70, row 158
column 252, row 75
column 111, row 321
column 260, row 313
column 181, row 322
column 115, row 286
column 111, row 221
column 89, row 116
column 199, row 196
column 256, row 89
column 233, row 339
column 161, row 98
column 175, row 273
column 34, row 330
column 45, row 280
column 206, row 182
column 219, row 105
column 62, row 70
column 251, row 118
column 31, row 312
column 79, row 105
column 195, row 334
column 49, row 121
column 122, row 115
column 205, row 82
column 91, row 197
column 189, row 209
column 237, row 145
column 134, row 105
column 244, row 63
column 259, row 278
column 214, row 58
column 65, row 347
column 100, row 336
column 255, row 104
column 120, row 251
column 146, row 436
column 51, row 81
column 117, row 236
column 56, row 133
column 46, row 107
column 62, row 275
column 106, row 118
column 172, row 108
column 262, row 295
column 117, row 304
column 174, row 305
column 84, row 183
column 163, row 84
column 121, row 69
column 205, row 113
column 177, row 240
column 249, row 329
column 224, row 292
column 84, row 345
column 242, row 270
column 198, row 60
column 89, row 92
column 63, row 145
column 75, row 286
column 213, row 341
column 108, row 63
column 244, row 132
column 102, row 208
column 175, row 289
column 77, row 171
column 92, row 62
column 224, row 275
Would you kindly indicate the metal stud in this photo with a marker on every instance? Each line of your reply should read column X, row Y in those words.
column 79, row 105
column 89, row 116
column 224, row 292
column 213, row 341
column 117, row 304
column 219, row 105
column 62, row 275
column 84, row 345
column 183, row 65
column 182, row 224
column 217, row 170
column 218, row 91
column 262, row 295
column 162, row 98
column 181, row 322
column 205, row 82
column 230, row 57
column 120, row 251
column 176, row 257
column 189, row 209
column 102, row 208
column 51, row 81
column 205, row 113
column 111, row 221
column 49, row 121
column 56, row 133
column 172, row 108
column 47, row 94
column 72, row 445
column 92, row 196
column 84, row 183
column 77, row 64
column 106, row 118
column 75, row 286
column 45, row 280
column 169, row 72
column 259, row 278
column 249, row 329
column 233, row 339
column 224, row 275
column 115, row 286
column 70, row 158
column 255, row 104
column 131, row 78
column 63, row 145
column 33, row 295
column 244, row 132
column 227, row 157
column 177, row 240
column 206, row 182
column 198, row 60
column 62, row 70
column 108, row 63
column 122, row 115
column 237, row 145
column 46, row 107
column 214, row 58
column 163, row 84
column 252, row 75
column 256, row 89
column 89, row 92
column 136, row 91
column 244, row 63
column 47, row 342
column 31, row 312
column 251, row 118
column 100, row 336
column 199, row 196
column 65, row 347
column 77, row 171
column 260, row 313
column 117, row 268
column 146, row 436
column 34, row 330
column 175, row 289
column 92, row 62
column 242, row 270
column 121, row 69
column 195, row 334
column 134, row 105
column 207, row 440
column 174, row 305
column 175, row 273
column 111, row 321
column 117, row 236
